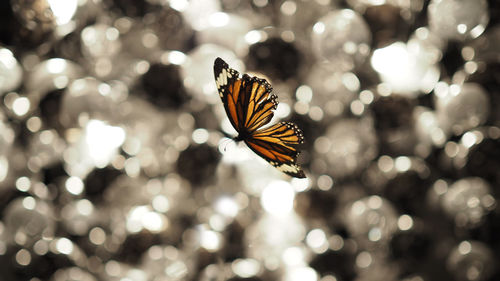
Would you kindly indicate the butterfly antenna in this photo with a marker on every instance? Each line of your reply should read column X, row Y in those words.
column 225, row 143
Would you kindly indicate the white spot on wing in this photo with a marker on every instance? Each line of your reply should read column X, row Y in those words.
column 224, row 76
column 288, row 168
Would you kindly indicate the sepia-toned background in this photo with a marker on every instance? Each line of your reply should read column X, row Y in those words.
column 116, row 158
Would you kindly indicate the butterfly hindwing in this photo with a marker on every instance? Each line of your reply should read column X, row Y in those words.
column 283, row 132
column 276, row 144
column 250, row 105
column 281, row 157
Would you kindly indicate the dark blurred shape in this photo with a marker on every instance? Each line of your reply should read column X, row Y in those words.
column 494, row 9
column 386, row 24
column 68, row 47
column 316, row 204
column 410, row 247
column 8, row 24
column 392, row 112
column 407, row 191
column 163, row 86
column 339, row 264
column 50, row 106
column 207, row 261
column 394, row 123
column 54, row 172
column 276, row 57
column 198, row 163
column 452, row 59
column 484, row 161
column 234, row 247
column 488, row 231
column 489, row 78
column 98, row 180
column 131, row 8
column 40, row 267
column 135, row 245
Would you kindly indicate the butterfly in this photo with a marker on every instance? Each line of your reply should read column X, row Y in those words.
column 250, row 106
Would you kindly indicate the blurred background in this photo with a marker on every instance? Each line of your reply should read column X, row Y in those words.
column 116, row 161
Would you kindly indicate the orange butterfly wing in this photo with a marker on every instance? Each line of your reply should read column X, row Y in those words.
column 276, row 144
column 228, row 85
column 248, row 100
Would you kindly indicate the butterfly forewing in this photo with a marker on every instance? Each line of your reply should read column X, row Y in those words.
column 228, row 85
column 250, row 105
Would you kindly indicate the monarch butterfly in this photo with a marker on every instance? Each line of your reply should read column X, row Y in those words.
column 249, row 106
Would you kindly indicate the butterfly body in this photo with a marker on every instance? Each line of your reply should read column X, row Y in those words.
column 242, row 136
column 250, row 106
